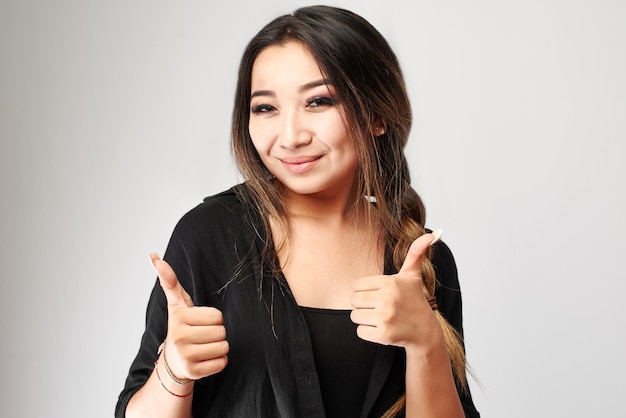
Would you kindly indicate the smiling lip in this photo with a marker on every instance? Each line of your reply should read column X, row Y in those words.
column 299, row 165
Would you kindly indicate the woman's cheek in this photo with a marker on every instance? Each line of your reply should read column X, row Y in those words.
column 261, row 135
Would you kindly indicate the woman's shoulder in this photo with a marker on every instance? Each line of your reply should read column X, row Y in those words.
column 448, row 289
column 217, row 207
column 220, row 212
column 445, row 265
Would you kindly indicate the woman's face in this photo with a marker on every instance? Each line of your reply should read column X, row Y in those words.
column 296, row 123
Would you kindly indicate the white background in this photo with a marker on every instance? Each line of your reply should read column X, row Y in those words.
column 114, row 121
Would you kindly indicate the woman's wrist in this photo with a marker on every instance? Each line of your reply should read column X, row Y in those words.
column 430, row 349
column 167, row 384
column 168, row 380
column 180, row 381
column 170, row 391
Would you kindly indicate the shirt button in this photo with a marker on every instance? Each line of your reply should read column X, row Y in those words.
column 308, row 377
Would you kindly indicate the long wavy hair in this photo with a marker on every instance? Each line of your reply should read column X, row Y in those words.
column 366, row 76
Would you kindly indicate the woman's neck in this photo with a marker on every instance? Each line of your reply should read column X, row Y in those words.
column 337, row 209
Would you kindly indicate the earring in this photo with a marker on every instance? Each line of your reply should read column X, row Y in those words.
column 380, row 130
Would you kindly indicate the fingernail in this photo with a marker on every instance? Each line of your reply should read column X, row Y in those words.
column 153, row 256
column 436, row 236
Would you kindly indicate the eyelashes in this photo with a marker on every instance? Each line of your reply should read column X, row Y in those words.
column 263, row 108
column 312, row 103
column 319, row 101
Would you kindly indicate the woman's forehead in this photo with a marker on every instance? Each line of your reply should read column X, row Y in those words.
column 289, row 63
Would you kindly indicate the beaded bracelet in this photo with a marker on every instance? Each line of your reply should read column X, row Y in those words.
column 156, row 368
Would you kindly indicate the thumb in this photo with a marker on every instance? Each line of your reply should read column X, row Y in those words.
column 413, row 261
column 174, row 292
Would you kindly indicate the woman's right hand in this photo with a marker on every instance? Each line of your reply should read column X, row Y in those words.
column 195, row 346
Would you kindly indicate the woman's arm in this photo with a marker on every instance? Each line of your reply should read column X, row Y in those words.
column 195, row 347
column 430, row 386
column 155, row 399
column 392, row 309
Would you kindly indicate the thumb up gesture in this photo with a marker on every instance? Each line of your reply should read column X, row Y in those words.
column 196, row 344
column 392, row 309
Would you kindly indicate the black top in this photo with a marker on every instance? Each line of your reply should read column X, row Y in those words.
column 343, row 361
column 215, row 252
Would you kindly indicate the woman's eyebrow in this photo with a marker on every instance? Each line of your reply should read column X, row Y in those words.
column 263, row 93
column 303, row 88
column 313, row 84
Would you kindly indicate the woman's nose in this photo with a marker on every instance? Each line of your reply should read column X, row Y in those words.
column 294, row 132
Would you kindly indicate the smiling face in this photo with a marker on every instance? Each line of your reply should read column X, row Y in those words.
column 297, row 126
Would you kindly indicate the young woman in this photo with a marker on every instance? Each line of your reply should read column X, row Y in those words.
column 311, row 289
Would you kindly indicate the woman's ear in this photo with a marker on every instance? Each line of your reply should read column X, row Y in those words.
column 378, row 127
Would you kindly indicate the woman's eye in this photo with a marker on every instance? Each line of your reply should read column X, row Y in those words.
column 320, row 101
column 263, row 108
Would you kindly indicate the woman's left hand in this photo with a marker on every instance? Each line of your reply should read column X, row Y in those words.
column 392, row 309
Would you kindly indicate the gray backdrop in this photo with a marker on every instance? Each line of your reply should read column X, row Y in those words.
column 114, row 120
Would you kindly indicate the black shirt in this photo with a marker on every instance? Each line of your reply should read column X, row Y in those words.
column 215, row 251
column 343, row 361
